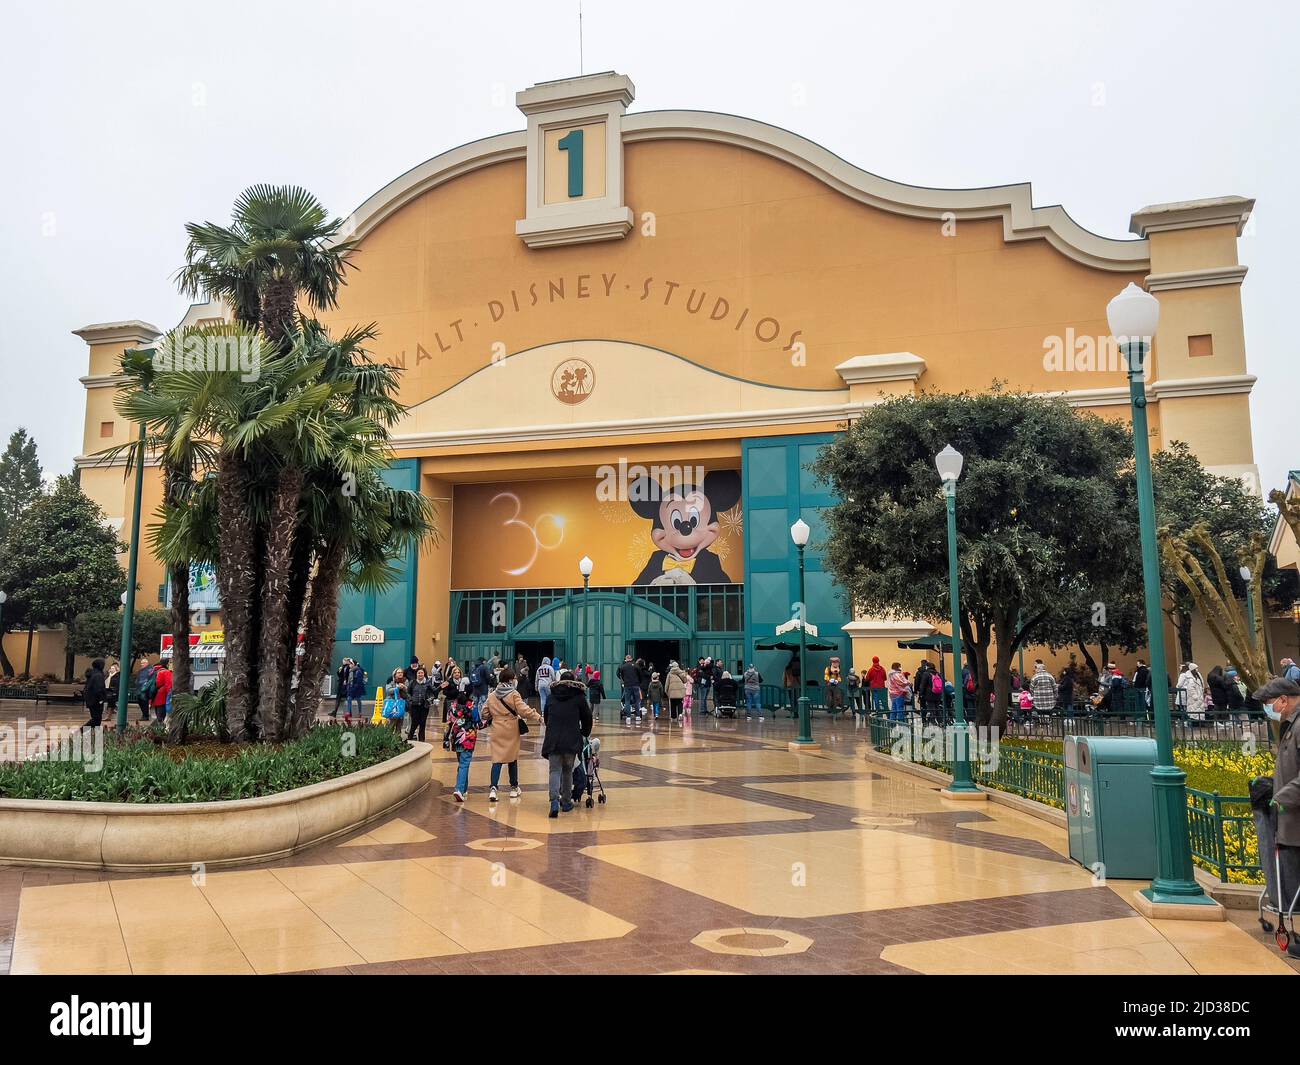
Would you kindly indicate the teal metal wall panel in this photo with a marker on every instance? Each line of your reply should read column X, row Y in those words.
column 779, row 489
column 392, row 610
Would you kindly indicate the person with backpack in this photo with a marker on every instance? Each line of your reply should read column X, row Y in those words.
column 568, row 727
column 461, row 737
column 162, row 693
column 654, row 695
column 921, row 686
column 853, row 691
column 481, row 681
column 145, row 686
column 508, row 717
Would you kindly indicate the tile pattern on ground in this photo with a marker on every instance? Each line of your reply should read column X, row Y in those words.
column 869, row 866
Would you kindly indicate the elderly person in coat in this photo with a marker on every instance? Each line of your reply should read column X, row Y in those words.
column 1280, row 698
column 504, row 710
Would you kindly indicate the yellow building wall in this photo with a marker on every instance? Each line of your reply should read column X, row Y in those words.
column 777, row 245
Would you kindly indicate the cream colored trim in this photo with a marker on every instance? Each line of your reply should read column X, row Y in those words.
column 434, row 172
column 94, row 462
column 1192, row 214
column 1227, row 385
column 630, row 427
column 100, row 380
column 1012, row 203
column 597, row 98
column 875, row 369
column 1090, row 397
column 604, row 88
column 1214, row 275
column 885, row 629
column 129, row 332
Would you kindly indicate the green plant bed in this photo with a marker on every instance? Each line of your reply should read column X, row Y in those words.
column 1214, row 767
column 139, row 769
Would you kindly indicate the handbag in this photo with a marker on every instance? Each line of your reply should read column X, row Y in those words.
column 394, row 709
column 523, row 725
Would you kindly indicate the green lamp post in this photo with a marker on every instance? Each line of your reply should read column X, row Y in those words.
column 799, row 533
column 128, row 598
column 585, row 566
column 949, row 463
column 1133, row 316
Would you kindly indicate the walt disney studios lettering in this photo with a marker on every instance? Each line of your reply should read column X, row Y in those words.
column 671, row 295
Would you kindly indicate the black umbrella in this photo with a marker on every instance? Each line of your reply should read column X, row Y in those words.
column 789, row 645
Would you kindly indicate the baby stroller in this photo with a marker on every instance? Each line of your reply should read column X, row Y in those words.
column 1276, row 914
column 586, row 773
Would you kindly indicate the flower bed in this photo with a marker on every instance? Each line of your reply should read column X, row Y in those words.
column 139, row 770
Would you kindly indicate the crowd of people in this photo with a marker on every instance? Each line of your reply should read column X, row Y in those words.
column 498, row 698
column 103, row 685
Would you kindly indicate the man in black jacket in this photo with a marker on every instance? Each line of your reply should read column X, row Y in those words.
column 629, row 678
column 568, row 723
column 95, row 692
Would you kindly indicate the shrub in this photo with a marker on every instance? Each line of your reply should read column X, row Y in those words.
column 137, row 769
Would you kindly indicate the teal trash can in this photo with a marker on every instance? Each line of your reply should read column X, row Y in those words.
column 1109, row 805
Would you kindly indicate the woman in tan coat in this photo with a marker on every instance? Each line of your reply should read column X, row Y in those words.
column 504, row 709
column 676, row 685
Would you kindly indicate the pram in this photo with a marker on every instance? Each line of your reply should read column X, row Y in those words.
column 1276, row 914
column 586, row 773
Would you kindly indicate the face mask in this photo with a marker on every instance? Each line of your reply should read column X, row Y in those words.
column 1273, row 715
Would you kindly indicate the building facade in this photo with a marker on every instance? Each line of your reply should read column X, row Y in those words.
column 625, row 335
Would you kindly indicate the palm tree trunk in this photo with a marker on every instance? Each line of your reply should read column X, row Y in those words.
column 6, row 667
column 178, row 477
column 318, row 642
column 274, row 660
column 182, row 678
column 237, row 583
column 279, row 308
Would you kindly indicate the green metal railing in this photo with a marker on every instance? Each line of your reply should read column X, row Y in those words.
column 1222, row 828
column 1223, row 834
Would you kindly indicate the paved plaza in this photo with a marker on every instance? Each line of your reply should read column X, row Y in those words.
column 717, row 851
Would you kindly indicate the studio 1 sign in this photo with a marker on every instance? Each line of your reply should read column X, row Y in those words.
column 367, row 634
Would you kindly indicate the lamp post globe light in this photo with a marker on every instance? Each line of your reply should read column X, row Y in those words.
column 585, row 566
column 1133, row 316
column 799, row 533
column 949, row 463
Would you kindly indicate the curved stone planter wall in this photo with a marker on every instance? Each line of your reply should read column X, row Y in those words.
column 127, row 836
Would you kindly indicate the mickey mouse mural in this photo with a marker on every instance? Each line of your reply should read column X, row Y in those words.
column 685, row 518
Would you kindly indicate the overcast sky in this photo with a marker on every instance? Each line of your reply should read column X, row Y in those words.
column 122, row 121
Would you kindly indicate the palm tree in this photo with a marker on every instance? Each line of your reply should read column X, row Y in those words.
column 280, row 247
column 352, row 519
column 263, row 430
column 181, row 535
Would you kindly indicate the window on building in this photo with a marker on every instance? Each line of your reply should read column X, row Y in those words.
column 482, row 612
column 720, row 608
